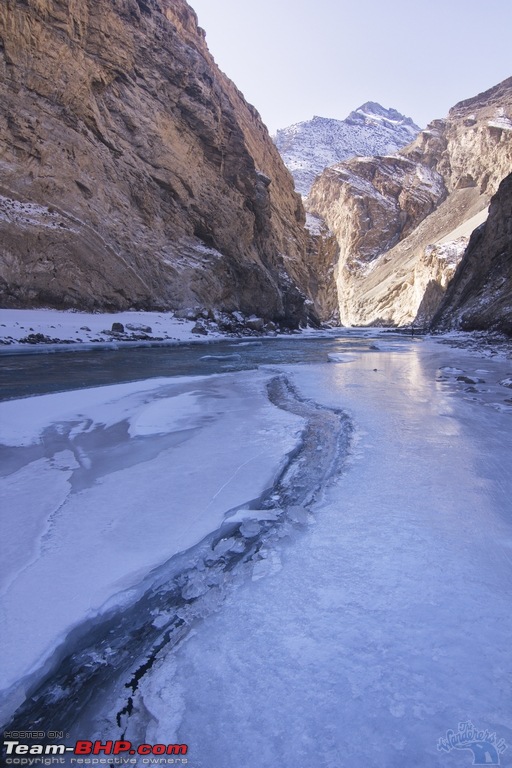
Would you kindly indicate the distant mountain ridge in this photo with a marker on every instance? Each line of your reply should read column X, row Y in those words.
column 310, row 146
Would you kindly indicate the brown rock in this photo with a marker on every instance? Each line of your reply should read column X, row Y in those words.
column 480, row 295
column 134, row 174
column 472, row 147
column 372, row 203
column 402, row 222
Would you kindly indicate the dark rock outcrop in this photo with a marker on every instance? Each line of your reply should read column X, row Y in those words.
column 480, row 294
column 132, row 171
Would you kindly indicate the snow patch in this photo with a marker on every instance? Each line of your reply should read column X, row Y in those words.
column 500, row 120
column 168, row 414
column 31, row 214
column 315, row 224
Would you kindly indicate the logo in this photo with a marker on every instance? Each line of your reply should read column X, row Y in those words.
column 119, row 752
column 484, row 745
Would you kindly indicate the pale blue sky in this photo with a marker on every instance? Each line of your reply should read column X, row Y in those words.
column 294, row 59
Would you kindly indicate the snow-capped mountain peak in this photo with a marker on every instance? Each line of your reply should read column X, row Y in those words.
column 310, row 146
column 371, row 111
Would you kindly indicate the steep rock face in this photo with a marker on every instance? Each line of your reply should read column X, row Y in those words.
column 472, row 147
column 390, row 290
column 372, row 203
column 309, row 147
column 325, row 256
column 394, row 273
column 480, row 295
column 132, row 171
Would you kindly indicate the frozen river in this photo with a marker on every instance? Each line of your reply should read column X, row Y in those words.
column 300, row 555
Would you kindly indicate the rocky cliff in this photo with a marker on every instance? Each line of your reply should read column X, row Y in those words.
column 309, row 147
column 480, row 294
column 403, row 222
column 132, row 171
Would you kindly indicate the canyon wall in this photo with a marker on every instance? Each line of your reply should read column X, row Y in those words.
column 480, row 294
column 134, row 174
column 402, row 222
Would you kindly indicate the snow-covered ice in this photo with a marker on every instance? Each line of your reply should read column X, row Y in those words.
column 102, row 485
column 359, row 640
column 387, row 623
column 341, row 357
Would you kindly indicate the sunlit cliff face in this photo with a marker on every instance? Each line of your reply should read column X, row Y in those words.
column 402, row 222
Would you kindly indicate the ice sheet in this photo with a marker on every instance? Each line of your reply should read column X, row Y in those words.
column 109, row 482
column 22, row 422
column 388, row 622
